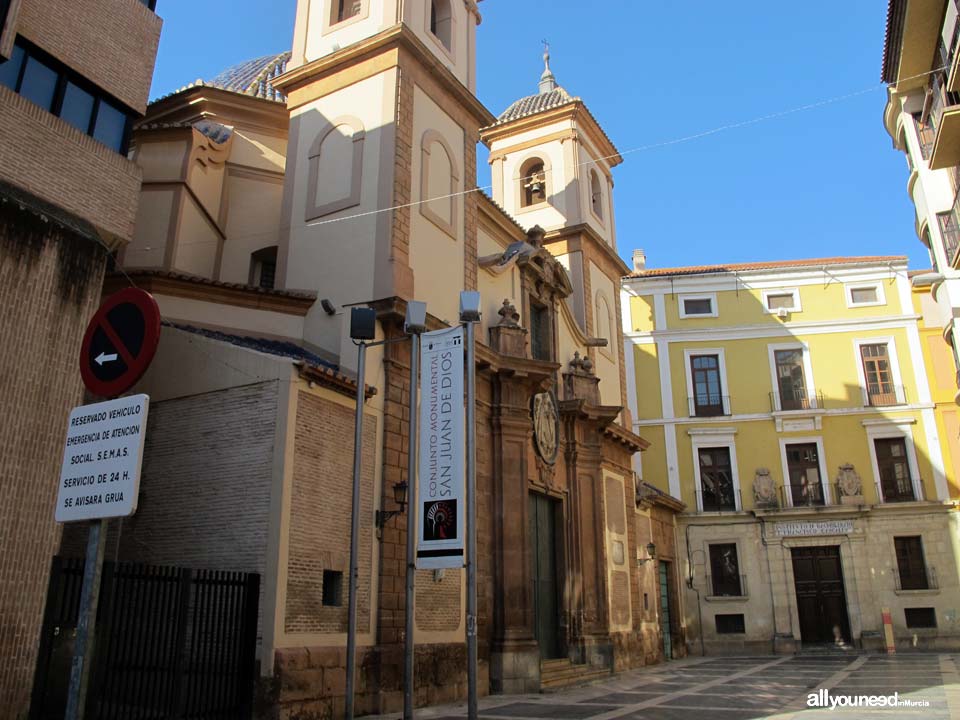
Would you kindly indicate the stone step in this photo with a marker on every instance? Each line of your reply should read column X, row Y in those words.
column 580, row 677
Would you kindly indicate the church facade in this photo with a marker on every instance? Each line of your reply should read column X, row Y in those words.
column 343, row 173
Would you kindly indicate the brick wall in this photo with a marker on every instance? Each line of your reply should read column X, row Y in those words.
column 51, row 159
column 205, row 485
column 49, row 286
column 320, row 516
column 112, row 43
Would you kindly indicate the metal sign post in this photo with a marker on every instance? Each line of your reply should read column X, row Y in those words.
column 355, row 532
column 470, row 315
column 87, row 621
column 100, row 475
column 408, row 650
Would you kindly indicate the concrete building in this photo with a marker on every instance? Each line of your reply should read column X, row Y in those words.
column 291, row 187
column 73, row 77
column 920, row 65
column 794, row 418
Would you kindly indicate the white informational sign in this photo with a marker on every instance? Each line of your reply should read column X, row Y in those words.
column 825, row 527
column 440, row 485
column 100, row 477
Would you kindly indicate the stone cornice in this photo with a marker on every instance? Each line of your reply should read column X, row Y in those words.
column 395, row 38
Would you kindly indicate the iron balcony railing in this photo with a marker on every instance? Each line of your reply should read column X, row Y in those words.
column 927, row 134
column 725, row 500
column 902, row 490
column 709, row 405
column 735, row 586
column 797, row 399
column 949, row 222
column 917, row 581
column 884, row 395
column 796, row 495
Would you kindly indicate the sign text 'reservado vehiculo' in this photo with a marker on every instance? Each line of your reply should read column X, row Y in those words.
column 100, row 476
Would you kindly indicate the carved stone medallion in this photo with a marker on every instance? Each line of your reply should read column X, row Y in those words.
column 546, row 426
column 764, row 488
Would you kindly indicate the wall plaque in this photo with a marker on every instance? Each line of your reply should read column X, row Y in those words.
column 823, row 527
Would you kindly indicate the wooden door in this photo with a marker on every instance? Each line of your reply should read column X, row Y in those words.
column 821, row 600
column 665, row 610
column 544, row 569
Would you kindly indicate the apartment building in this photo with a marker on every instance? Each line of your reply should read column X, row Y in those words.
column 73, row 76
column 922, row 116
column 788, row 405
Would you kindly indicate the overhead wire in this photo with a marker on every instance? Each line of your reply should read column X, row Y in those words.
column 642, row 148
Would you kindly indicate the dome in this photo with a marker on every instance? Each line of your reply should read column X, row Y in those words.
column 254, row 77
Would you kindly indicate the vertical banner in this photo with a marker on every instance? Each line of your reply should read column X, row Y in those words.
column 440, row 486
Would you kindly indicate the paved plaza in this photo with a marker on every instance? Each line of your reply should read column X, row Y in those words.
column 745, row 688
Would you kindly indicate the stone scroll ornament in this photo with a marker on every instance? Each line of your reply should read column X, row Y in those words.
column 849, row 481
column 764, row 488
column 546, row 426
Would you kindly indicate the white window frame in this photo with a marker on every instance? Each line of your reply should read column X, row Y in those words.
column 712, row 297
column 724, row 388
column 711, row 438
column 797, row 307
column 807, row 369
column 887, row 429
column 891, row 344
column 848, row 293
column 824, row 478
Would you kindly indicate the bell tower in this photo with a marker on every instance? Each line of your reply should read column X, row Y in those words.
column 551, row 165
column 382, row 116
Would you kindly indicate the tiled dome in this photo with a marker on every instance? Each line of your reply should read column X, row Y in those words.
column 254, row 77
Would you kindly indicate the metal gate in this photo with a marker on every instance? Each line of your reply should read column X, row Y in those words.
column 171, row 643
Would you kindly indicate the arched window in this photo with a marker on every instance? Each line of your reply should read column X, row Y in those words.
column 439, row 182
column 344, row 10
column 604, row 322
column 335, row 166
column 533, row 182
column 441, row 22
column 596, row 194
column 263, row 268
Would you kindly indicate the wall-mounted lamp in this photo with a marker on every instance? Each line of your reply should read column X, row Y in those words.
column 651, row 554
column 400, row 498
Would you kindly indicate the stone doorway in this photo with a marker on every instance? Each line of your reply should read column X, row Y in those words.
column 544, row 519
column 821, row 598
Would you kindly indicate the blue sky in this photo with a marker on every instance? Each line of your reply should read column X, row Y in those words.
column 821, row 182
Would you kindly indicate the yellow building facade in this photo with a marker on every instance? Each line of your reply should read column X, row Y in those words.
column 789, row 407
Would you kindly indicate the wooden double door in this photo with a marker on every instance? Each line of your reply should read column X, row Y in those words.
column 545, row 563
column 821, row 599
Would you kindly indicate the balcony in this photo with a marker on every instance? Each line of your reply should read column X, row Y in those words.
column 802, row 496
column 709, row 405
column 917, row 581
column 722, row 499
column 732, row 587
column 899, row 491
column 885, row 395
column 945, row 117
column 796, row 399
column 949, row 222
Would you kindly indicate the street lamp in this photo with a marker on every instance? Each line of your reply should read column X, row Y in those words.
column 470, row 315
column 363, row 326
column 651, row 554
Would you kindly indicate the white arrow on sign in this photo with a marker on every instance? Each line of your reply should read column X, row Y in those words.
column 104, row 358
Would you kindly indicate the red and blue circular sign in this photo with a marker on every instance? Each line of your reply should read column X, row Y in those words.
column 120, row 342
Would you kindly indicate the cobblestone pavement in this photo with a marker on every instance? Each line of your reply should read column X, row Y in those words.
column 744, row 688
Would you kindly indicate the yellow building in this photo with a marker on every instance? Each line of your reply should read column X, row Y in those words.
column 788, row 406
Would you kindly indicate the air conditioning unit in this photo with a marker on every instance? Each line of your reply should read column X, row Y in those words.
column 783, row 313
